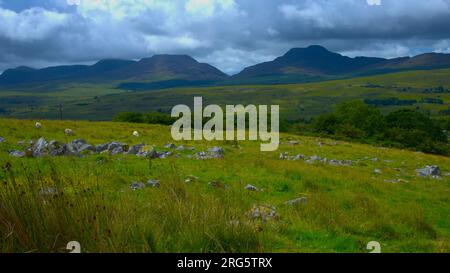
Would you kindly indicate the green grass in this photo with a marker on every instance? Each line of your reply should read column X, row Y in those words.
column 347, row 206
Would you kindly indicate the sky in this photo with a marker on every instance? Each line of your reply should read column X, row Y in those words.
column 229, row 34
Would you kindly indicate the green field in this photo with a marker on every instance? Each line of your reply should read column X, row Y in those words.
column 103, row 101
column 344, row 207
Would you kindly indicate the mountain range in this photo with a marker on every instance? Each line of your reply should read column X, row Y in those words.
column 313, row 63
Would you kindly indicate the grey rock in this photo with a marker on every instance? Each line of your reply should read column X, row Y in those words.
column 137, row 186
column 17, row 154
column 170, row 146
column 298, row 201
column 86, row 147
column 284, row 156
column 153, row 183
column 377, row 171
column 180, row 148
column 251, row 188
column 2, row 139
column 163, row 155
column 216, row 150
column 115, row 148
column 39, row 148
column 136, row 149
column 101, row 147
column 429, row 171
column 263, row 213
column 57, row 149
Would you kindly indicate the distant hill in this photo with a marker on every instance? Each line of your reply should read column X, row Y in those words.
column 298, row 65
column 157, row 68
column 317, row 63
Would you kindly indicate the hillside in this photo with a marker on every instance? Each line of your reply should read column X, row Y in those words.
column 357, row 194
column 316, row 63
column 156, row 68
column 427, row 91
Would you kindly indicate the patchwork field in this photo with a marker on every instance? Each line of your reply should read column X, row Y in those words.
column 336, row 197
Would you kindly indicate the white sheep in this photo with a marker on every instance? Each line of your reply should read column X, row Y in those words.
column 69, row 132
column 38, row 125
column 136, row 133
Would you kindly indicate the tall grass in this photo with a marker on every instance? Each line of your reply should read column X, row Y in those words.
column 43, row 213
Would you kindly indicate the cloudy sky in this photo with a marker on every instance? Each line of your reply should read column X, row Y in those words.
column 230, row 34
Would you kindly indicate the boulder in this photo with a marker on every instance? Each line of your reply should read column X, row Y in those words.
column 40, row 147
column 264, row 213
column 137, row 186
column 135, row 149
column 251, row 188
column 429, row 171
column 216, row 150
column 115, row 148
column 153, row 183
column 17, row 154
column 170, row 146
column 180, row 148
column 101, row 147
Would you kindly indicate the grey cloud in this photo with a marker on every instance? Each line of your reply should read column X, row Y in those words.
column 226, row 33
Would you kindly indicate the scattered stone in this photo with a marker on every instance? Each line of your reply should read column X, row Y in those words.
column 215, row 152
column 39, row 148
column 153, row 183
column 180, row 148
column 2, row 139
column 116, row 148
column 17, row 154
column 446, row 174
column 298, row 201
column 170, row 146
column 101, row 147
column 135, row 149
column 284, row 156
column 137, row 186
column 429, row 171
column 264, row 213
column 251, row 188
column 293, row 142
column 377, row 171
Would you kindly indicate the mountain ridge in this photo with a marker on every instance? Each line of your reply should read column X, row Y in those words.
column 297, row 65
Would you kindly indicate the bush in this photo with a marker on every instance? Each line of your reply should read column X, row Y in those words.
column 403, row 128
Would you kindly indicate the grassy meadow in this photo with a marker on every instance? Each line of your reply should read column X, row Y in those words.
column 347, row 206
